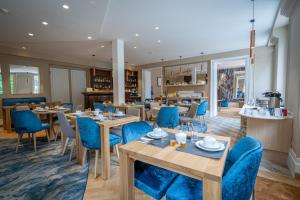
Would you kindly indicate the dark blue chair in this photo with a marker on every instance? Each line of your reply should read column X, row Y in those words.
column 90, row 138
column 239, row 176
column 99, row 106
column 168, row 117
column 152, row 180
column 25, row 121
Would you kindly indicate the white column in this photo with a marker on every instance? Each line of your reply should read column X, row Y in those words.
column 118, row 71
column 194, row 74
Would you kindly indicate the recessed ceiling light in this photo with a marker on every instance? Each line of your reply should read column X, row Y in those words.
column 137, row 35
column 158, row 41
column 24, row 48
column 65, row 6
column 31, row 34
column 90, row 37
column 134, row 47
column 156, row 27
column 102, row 46
column 45, row 23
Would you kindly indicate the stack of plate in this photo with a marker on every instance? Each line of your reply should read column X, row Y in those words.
column 217, row 146
column 118, row 114
column 157, row 134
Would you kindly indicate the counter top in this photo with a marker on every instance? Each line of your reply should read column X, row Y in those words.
column 258, row 116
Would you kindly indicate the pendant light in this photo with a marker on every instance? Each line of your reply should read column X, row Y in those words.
column 252, row 36
column 94, row 69
column 180, row 57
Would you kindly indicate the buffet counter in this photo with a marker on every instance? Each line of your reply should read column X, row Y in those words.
column 274, row 132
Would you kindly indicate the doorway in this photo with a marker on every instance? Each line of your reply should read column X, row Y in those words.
column 231, row 85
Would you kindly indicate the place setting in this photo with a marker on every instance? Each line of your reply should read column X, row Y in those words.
column 206, row 146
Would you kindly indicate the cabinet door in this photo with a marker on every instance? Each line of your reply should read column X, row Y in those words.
column 60, row 85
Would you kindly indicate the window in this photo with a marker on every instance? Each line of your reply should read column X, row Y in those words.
column 24, row 79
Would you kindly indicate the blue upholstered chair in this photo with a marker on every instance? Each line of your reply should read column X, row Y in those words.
column 168, row 117
column 239, row 175
column 90, row 138
column 69, row 106
column 110, row 108
column 99, row 106
column 25, row 121
column 150, row 179
column 201, row 111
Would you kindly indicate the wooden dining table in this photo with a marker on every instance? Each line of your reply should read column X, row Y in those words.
column 50, row 113
column 209, row 170
column 104, row 137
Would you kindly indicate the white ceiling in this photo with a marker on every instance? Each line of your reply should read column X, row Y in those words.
column 187, row 28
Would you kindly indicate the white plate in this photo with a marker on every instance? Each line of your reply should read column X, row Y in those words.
column 118, row 114
column 221, row 148
column 217, row 145
column 155, row 136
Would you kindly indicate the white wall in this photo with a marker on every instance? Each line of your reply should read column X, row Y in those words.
column 263, row 71
column 293, row 80
column 280, row 38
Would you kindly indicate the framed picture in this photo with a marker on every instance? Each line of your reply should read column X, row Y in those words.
column 159, row 80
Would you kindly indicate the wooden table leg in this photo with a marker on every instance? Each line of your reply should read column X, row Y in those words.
column 79, row 147
column 127, row 177
column 7, row 120
column 105, row 152
column 212, row 190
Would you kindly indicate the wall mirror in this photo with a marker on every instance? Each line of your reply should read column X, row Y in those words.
column 24, row 79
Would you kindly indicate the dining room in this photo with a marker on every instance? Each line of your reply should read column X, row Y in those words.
column 175, row 100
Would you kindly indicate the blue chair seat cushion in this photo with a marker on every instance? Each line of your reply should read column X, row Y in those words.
column 153, row 180
column 45, row 126
column 185, row 188
column 114, row 139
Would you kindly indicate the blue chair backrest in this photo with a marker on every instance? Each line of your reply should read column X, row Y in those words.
column 69, row 106
column 241, row 169
column 168, row 117
column 135, row 130
column 14, row 101
column 202, row 108
column 65, row 125
column 110, row 108
column 99, row 106
column 89, row 132
column 25, row 121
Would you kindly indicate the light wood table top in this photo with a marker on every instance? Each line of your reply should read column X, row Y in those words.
column 208, row 170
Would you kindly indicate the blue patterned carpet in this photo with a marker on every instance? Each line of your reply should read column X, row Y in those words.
column 42, row 175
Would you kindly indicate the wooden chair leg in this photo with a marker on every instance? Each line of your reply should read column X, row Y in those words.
column 117, row 151
column 84, row 156
column 65, row 146
column 18, row 142
column 47, row 135
column 34, row 141
column 72, row 149
column 96, row 162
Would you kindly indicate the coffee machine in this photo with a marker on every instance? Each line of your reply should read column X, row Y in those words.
column 274, row 99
